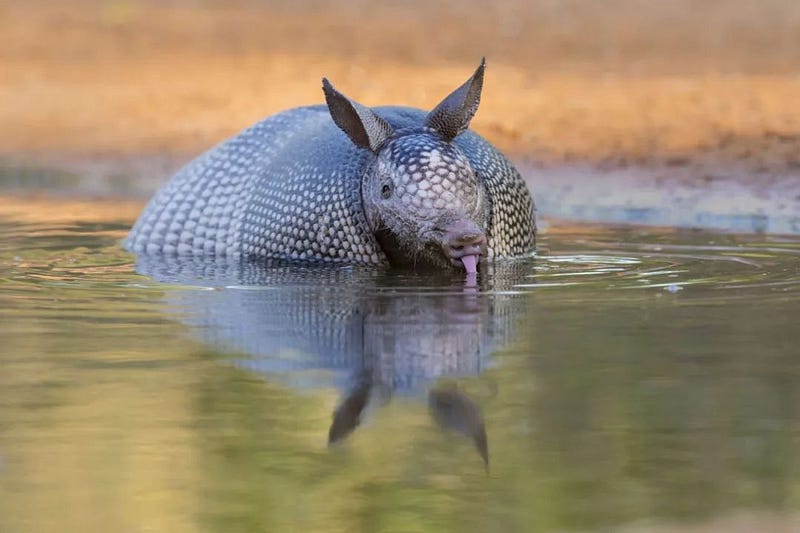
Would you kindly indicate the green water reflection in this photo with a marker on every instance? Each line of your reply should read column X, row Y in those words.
column 623, row 378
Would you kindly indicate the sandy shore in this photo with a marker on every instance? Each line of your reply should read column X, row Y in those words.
column 695, row 94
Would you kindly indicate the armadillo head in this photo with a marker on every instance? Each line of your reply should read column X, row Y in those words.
column 420, row 194
column 425, row 203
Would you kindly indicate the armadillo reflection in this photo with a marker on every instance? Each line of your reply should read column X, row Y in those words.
column 399, row 186
column 362, row 330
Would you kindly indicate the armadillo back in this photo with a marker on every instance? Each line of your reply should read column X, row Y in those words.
column 288, row 187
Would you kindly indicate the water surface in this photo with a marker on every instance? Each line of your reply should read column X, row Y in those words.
column 625, row 378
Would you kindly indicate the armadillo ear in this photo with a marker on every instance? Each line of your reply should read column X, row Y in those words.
column 453, row 114
column 360, row 123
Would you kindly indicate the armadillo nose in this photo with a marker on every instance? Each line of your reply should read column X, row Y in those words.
column 465, row 249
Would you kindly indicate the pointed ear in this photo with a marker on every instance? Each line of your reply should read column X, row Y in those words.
column 360, row 123
column 453, row 114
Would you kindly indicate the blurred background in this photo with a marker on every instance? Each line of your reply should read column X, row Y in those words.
column 707, row 89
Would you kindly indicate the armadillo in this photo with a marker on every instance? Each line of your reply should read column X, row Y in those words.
column 346, row 183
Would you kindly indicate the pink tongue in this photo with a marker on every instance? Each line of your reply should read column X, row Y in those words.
column 470, row 263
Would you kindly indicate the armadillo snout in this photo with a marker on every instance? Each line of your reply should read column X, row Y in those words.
column 462, row 241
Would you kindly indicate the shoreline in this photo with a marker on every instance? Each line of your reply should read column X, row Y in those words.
column 648, row 196
column 581, row 193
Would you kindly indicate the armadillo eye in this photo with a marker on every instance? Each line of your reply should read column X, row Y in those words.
column 386, row 191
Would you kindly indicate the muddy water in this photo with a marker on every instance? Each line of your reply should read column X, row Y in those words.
column 623, row 378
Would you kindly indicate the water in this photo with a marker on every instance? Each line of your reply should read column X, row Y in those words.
column 625, row 379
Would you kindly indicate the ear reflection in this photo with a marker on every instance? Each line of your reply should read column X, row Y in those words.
column 453, row 410
column 347, row 416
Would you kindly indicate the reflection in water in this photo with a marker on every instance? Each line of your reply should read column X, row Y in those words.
column 347, row 416
column 374, row 335
column 456, row 411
